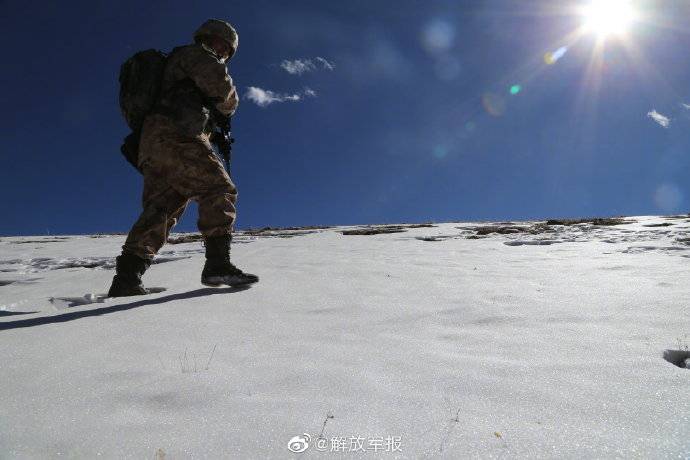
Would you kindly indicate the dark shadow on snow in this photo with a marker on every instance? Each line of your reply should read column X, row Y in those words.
column 98, row 298
column 12, row 313
column 115, row 308
column 677, row 357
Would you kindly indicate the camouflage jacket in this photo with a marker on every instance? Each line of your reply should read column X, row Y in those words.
column 195, row 85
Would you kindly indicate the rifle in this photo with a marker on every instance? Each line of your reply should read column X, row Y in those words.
column 224, row 139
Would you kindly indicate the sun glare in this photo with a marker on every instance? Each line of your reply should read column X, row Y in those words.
column 609, row 17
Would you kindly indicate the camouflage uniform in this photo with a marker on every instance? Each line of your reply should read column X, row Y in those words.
column 175, row 154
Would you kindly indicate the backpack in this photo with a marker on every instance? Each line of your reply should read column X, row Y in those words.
column 141, row 77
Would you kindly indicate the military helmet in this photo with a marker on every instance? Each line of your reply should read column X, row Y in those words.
column 220, row 29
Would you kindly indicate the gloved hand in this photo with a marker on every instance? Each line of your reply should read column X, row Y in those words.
column 229, row 106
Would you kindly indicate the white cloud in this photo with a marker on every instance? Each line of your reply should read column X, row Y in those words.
column 686, row 106
column 300, row 66
column 325, row 64
column 264, row 97
column 663, row 120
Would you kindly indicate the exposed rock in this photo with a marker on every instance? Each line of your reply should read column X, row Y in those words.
column 663, row 224
column 375, row 230
column 594, row 221
column 510, row 229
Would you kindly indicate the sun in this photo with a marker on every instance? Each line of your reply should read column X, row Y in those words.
column 609, row 17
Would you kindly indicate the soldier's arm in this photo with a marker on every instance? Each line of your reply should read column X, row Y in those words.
column 211, row 77
column 229, row 106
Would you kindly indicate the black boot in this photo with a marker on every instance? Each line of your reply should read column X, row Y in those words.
column 127, row 280
column 218, row 270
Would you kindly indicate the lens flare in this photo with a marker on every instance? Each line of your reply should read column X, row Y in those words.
column 551, row 58
column 668, row 197
column 440, row 151
column 438, row 36
column 494, row 104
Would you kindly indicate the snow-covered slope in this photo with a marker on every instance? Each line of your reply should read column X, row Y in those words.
column 431, row 342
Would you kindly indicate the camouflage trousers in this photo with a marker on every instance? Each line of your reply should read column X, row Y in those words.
column 177, row 169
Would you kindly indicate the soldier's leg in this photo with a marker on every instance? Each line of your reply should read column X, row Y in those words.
column 200, row 175
column 163, row 206
column 204, row 179
column 217, row 212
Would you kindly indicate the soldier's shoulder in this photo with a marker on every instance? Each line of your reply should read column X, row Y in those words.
column 196, row 55
column 186, row 50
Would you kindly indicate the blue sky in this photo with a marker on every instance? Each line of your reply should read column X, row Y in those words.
column 408, row 115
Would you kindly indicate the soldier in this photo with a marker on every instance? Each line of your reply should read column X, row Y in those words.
column 179, row 165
